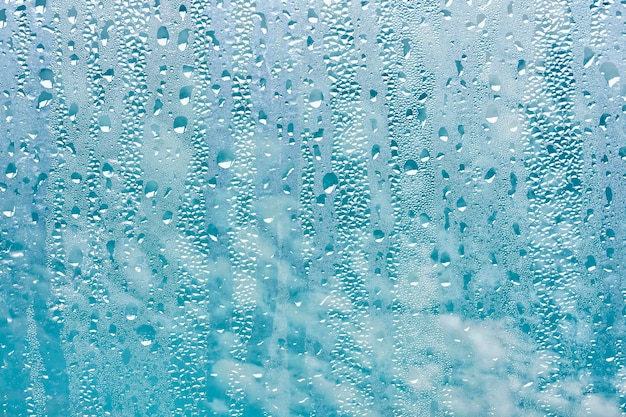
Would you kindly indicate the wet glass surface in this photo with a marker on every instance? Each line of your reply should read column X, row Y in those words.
column 312, row 208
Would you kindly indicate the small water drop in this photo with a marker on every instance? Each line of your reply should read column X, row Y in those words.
column 16, row 250
column 76, row 177
column 151, row 189
column 8, row 209
column 107, row 170
column 329, row 182
column 72, row 15
column 225, row 159
column 213, row 232
column 410, row 167
column 105, row 123
column 183, row 38
column 108, row 75
column 11, row 170
column 312, row 16
column 588, row 57
column 131, row 312
column 73, row 111
column 75, row 257
column 146, row 334
column 610, row 73
column 180, row 124
column 185, row 95
column 494, row 83
column 375, row 152
column 443, row 134
column 315, row 98
column 461, row 205
column 44, row 99
column 46, row 78
column 492, row 114
column 490, row 175
column 163, row 36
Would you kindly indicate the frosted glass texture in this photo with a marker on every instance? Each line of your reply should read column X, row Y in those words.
column 312, row 208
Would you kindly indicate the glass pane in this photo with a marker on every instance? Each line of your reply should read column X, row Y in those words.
column 312, row 208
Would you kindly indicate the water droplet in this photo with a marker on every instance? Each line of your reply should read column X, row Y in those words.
column 72, row 15
column 16, row 250
column 213, row 232
column 375, row 151
column 107, row 170
column 146, row 334
column 163, row 36
column 108, row 74
column 8, row 209
column 11, row 170
column 73, row 111
column 131, row 312
column 44, row 99
column 424, row 220
column 329, row 182
column 443, row 134
column 151, row 189
column 180, row 124
column 183, row 38
column 492, row 113
column 76, row 178
column 410, row 167
column 105, row 123
column 315, row 98
column 494, row 83
column 610, row 73
column 225, row 159
column 588, row 57
column 185, row 95
column 461, row 204
column 490, row 175
column 312, row 16
column 46, row 78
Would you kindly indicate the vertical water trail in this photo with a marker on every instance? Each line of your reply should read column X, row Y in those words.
column 187, row 258
column 420, row 363
column 345, row 183
column 563, row 268
column 99, row 248
column 36, row 366
column 29, row 348
column 243, row 232
column 601, row 109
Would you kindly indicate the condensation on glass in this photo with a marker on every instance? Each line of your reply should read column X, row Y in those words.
column 312, row 208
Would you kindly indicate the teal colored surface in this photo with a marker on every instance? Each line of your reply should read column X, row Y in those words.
column 312, row 208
